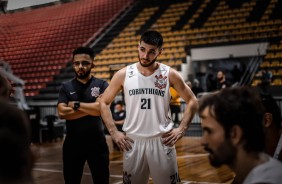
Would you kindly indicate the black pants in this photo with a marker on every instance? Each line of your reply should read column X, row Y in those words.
column 175, row 109
column 76, row 154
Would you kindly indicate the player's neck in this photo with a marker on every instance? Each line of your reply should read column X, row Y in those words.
column 147, row 71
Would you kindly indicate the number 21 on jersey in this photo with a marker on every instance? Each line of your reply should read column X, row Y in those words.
column 145, row 103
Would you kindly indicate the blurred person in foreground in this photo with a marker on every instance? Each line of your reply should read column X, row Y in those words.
column 233, row 134
column 16, row 158
column 85, row 139
column 148, row 140
column 272, row 126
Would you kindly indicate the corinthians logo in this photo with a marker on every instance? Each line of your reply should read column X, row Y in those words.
column 160, row 82
column 95, row 91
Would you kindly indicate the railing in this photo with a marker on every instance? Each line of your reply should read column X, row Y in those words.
column 193, row 130
column 250, row 71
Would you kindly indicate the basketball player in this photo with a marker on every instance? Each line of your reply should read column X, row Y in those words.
column 233, row 134
column 149, row 138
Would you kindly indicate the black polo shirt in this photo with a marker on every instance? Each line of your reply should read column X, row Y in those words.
column 87, row 127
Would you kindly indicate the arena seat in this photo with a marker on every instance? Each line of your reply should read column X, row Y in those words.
column 49, row 40
column 42, row 39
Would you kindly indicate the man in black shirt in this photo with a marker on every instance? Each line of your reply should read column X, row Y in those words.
column 221, row 80
column 85, row 139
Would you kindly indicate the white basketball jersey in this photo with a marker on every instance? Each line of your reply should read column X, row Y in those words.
column 147, row 102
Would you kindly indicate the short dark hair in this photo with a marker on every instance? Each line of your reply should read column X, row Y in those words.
column 238, row 106
column 84, row 50
column 153, row 38
column 272, row 107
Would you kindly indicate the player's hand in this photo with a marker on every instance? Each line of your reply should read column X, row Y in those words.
column 171, row 137
column 123, row 142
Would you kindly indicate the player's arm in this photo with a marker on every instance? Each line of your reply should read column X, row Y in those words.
column 177, row 82
column 187, row 95
column 108, row 96
column 69, row 113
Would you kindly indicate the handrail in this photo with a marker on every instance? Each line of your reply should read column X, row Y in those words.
column 250, row 71
column 252, row 67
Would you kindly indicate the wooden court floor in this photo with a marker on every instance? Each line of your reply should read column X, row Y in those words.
column 193, row 164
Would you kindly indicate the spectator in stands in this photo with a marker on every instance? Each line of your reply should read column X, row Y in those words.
column 233, row 134
column 272, row 125
column 16, row 158
column 85, row 139
column 175, row 103
column 149, row 138
column 266, row 77
column 196, row 87
column 221, row 80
